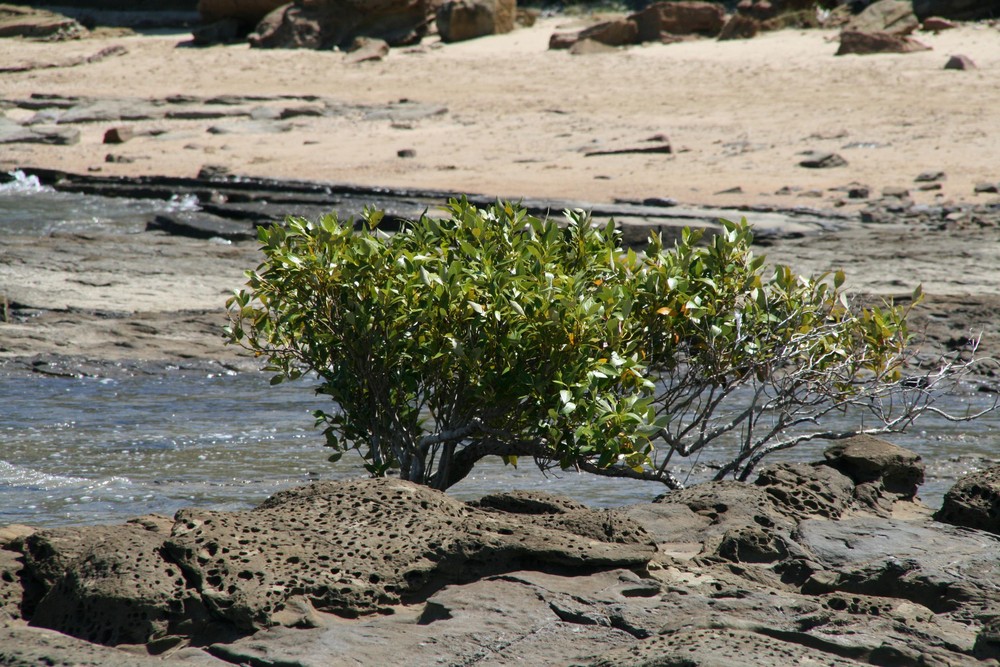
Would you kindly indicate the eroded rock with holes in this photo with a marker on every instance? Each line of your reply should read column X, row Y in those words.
column 105, row 584
column 360, row 547
column 974, row 501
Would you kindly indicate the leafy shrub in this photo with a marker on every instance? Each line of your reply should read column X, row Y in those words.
column 494, row 333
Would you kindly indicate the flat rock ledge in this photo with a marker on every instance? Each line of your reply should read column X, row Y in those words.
column 830, row 563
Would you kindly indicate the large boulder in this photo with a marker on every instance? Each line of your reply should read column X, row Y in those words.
column 619, row 32
column 458, row 20
column 865, row 43
column 974, row 502
column 16, row 21
column 245, row 11
column 661, row 20
column 894, row 17
column 327, row 24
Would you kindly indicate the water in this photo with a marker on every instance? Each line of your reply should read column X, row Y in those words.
column 101, row 450
column 27, row 207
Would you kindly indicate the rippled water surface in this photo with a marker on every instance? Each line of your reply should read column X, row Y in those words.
column 102, row 450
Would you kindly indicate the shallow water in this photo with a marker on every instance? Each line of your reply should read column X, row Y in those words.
column 95, row 450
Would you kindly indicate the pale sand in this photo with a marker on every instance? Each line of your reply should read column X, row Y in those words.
column 519, row 119
column 520, row 116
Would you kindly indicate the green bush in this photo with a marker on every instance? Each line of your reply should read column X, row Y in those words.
column 494, row 333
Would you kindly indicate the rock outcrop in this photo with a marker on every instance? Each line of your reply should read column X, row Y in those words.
column 327, row 24
column 459, row 20
column 31, row 23
column 974, row 502
column 831, row 563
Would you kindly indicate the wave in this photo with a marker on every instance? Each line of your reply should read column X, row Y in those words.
column 22, row 183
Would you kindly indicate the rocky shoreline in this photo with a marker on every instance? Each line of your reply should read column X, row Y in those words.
column 831, row 563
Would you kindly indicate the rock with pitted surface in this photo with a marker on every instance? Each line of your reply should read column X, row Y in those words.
column 356, row 548
column 974, row 501
column 327, row 24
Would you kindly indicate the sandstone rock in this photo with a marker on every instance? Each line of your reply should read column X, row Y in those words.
column 863, row 43
column 936, row 24
column 822, row 160
column 248, row 12
column 118, row 135
column 986, row 188
column 959, row 10
column 960, row 62
column 412, row 539
column 866, row 459
column 894, row 17
column 974, row 502
column 364, row 49
column 107, row 585
column 610, row 33
column 458, row 20
column 17, row 21
column 326, row 24
column 679, row 17
column 740, row 26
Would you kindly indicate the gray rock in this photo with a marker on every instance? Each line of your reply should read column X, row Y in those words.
column 15, row 133
column 412, row 540
column 866, row 459
column 822, row 160
column 974, row 501
column 960, row 62
column 200, row 225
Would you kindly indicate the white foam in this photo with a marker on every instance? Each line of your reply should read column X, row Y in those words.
column 23, row 184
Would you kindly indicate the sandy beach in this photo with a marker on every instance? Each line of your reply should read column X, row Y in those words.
column 504, row 116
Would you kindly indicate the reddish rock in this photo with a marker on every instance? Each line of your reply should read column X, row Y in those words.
column 862, row 43
column 609, row 33
column 936, row 24
column 960, row 62
column 679, row 18
column 118, row 135
column 458, row 20
column 326, row 24
column 740, row 26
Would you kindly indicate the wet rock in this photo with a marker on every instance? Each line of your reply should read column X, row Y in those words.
column 200, row 225
column 326, row 24
column 459, row 20
column 960, row 62
column 864, row 43
column 822, row 160
column 974, row 502
column 660, row 20
column 893, row 17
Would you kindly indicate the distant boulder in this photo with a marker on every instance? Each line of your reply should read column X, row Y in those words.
column 249, row 12
column 959, row 10
column 684, row 17
column 328, row 24
column 459, row 20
